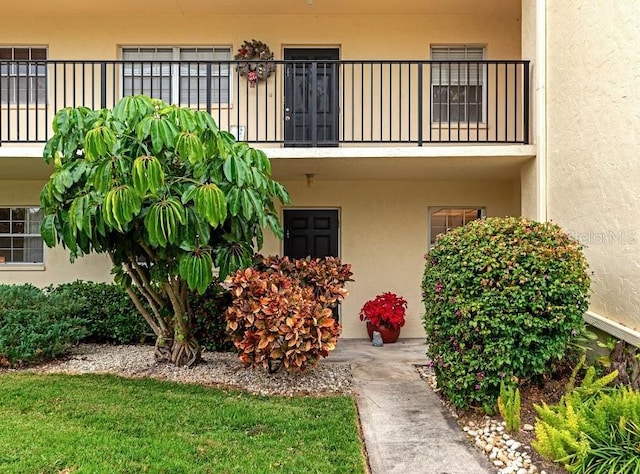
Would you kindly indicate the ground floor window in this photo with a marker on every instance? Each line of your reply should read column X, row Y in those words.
column 444, row 219
column 20, row 240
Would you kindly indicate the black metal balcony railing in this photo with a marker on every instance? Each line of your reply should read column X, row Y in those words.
column 302, row 103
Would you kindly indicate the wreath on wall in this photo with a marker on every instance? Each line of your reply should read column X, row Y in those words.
column 261, row 64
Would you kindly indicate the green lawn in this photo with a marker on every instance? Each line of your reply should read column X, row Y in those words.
column 105, row 424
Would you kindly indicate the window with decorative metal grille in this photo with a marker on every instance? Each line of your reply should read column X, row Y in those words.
column 23, row 80
column 457, row 88
column 20, row 240
column 182, row 76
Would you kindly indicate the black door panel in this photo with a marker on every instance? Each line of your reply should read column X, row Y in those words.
column 311, row 233
column 311, row 98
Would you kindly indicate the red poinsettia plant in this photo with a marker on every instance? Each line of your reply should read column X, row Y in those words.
column 386, row 309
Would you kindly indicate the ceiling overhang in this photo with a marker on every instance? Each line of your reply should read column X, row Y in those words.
column 149, row 8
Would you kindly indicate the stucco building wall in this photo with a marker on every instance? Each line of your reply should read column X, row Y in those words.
column 384, row 232
column 593, row 114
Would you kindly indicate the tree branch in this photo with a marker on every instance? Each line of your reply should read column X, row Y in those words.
column 143, row 311
column 177, row 303
column 145, row 282
column 160, row 321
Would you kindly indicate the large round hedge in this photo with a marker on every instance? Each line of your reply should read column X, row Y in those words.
column 503, row 298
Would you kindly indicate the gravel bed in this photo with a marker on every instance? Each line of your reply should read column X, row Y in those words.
column 218, row 369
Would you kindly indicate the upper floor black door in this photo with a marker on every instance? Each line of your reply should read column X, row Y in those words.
column 311, row 97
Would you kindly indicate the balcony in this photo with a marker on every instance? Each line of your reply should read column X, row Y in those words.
column 327, row 103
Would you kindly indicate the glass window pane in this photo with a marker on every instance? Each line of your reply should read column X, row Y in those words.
column 447, row 219
column 38, row 53
column 455, row 219
column 16, row 245
column 471, row 215
column 463, row 78
column 17, row 227
column 18, row 213
column 21, row 54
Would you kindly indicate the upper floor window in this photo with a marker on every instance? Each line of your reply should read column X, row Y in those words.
column 156, row 72
column 20, row 240
column 445, row 219
column 457, row 88
column 23, row 80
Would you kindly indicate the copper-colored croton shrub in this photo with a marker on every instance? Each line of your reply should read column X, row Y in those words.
column 281, row 311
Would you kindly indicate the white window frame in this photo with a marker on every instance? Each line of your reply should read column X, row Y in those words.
column 175, row 72
column 35, row 74
column 468, row 51
column 24, row 235
column 464, row 209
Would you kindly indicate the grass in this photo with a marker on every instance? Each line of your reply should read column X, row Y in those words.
column 105, row 424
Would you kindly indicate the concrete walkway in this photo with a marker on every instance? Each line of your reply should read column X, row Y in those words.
column 406, row 428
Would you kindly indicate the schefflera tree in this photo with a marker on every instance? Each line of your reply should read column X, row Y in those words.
column 167, row 195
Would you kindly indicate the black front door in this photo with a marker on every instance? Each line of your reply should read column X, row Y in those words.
column 311, row 97
column 310, row 233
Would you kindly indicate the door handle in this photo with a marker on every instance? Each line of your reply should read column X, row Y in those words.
column 287, row 109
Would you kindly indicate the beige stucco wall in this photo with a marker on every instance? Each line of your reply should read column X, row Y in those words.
column 384, row 233
column 593, row 115
column 360, row 36
column 384, row 224
column 529, row 172
column 357, row 36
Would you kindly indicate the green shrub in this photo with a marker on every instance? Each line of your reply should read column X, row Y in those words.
column 281, row 314
column 35, row 326
column 592, row 429
column 207, row 317
column 503, row 298
column 110, row 314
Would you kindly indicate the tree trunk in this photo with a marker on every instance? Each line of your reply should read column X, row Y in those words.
column 180, row 351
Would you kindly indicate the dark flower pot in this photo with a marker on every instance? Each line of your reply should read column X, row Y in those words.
column 389, row 335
